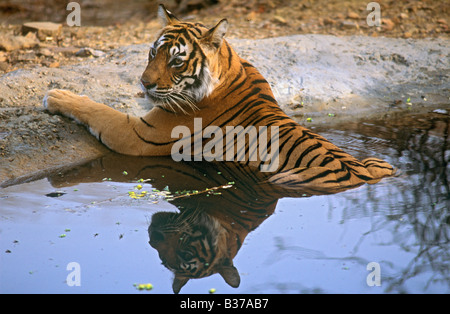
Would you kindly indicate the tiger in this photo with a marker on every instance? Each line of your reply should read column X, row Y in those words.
column 193, row 73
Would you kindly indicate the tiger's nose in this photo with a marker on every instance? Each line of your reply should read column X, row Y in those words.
column 147, row 84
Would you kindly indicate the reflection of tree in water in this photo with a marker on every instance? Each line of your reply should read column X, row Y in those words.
column 418, row 200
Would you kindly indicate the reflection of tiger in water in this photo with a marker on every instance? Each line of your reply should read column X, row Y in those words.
column 204, row 238
column 194, row 73
column 193, row 244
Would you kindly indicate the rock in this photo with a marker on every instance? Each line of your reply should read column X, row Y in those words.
column 11, row 42
column 251, row 16
column 349, row 25
column 328, row 21
column 279, row 19
column 54, row 65
column 407, row 35
column 4, row 66
column 399, row 59
column 67, row 51
column 440, row 111
column 353, row 15
column 388, row 24
column 86, row 52
column 43, row 30
column 28, row 56
column 45, row 52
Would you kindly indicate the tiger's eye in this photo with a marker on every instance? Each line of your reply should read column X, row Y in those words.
column 177, row 62
column 186, row 255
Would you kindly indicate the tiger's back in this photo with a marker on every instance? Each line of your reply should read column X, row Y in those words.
column 306, row 158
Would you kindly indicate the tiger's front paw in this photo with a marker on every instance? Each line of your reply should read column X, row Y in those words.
column 59, row 101
column 56, row 99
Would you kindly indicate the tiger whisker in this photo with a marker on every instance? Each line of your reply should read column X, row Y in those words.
column 168, row 103
column 189, row 99
column 173, row 99
column 185, row 99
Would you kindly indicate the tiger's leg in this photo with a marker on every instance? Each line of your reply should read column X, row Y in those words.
column 114, row 129
column 378, row 168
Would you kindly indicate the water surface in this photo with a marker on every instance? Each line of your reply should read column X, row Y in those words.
column 88, row 214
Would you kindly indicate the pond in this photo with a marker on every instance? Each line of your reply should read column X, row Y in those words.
column 85, row 228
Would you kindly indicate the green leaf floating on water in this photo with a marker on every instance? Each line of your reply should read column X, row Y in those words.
column 143, row 286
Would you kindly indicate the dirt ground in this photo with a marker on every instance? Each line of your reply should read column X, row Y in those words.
column 30, row 139
column 109, row 24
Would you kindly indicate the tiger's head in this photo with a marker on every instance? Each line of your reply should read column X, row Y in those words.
column 192, row 244
column 182, row 62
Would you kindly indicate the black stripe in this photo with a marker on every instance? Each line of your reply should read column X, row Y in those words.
column 194, row 66
column 361, row 176
column 259, row 81
column 230, row 56
column 271, row 119
column 151, row 142
column 193, row 33
column 164, row 109
column 168, row 36
column 318, row 176
column 236, row 88
column 346, row 177
column 243, row 109
column 306, row 152
column 268, row 97
column 382, row 167
column 377, row 165
column 287, row 159
column 200, row 24
column 326, row 160
column 253, row 92
column 238, row 76
column 146, row 123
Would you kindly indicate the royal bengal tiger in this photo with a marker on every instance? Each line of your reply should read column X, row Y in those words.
column 193, row 73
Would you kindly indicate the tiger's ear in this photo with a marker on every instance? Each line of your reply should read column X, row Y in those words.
column 178, row 283
column 231, row 275
column 166, row 17
column 215, row 35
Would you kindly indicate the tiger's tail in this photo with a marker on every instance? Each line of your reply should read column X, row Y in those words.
column 311, row 180
column 314, row 179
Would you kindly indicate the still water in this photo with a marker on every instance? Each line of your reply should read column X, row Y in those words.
column 86, row 229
